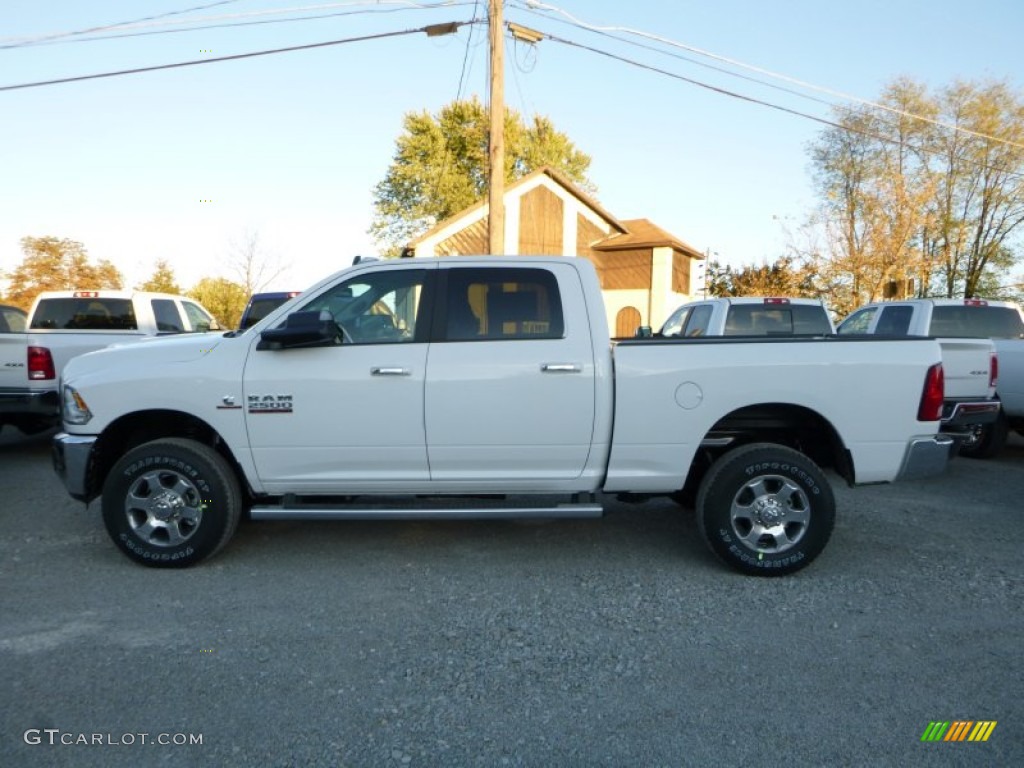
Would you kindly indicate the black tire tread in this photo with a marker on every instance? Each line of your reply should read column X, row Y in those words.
column 222, row 473
column 728, row 462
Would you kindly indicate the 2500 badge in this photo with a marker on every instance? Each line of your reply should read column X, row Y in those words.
column 269, row 403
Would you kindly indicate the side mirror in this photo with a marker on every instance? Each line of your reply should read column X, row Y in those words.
column 643, row 332
column 315, row 328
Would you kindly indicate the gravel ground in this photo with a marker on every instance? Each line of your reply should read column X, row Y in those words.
column 613, row 642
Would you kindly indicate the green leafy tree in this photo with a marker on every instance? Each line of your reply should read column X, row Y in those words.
column 57, row 264
column 162, row 280
column 440, row 166
column 224, row 298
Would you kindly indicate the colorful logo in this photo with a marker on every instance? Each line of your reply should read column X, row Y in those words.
column 959, row 730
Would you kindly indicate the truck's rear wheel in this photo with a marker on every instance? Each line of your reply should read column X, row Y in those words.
column 171, row 503
column 765, row 509
column 986, row 440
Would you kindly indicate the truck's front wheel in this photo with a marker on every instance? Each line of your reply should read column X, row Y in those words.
column 171, row 503
column 765, row 509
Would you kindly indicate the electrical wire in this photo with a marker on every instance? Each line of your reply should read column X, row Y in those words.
column 763, row 103
column 20, row 42
column 535, row 4
column 234, row 57
column 376, row 8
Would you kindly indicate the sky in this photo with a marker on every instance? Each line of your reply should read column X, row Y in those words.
column 186, row 164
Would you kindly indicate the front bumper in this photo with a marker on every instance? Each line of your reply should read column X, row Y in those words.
column 71, row 456
column 926, row 456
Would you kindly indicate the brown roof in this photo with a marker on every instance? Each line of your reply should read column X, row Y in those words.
column 554, row 174
column 642, row 233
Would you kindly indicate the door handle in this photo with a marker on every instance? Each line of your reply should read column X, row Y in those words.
column 561, row 368
column 389, row 370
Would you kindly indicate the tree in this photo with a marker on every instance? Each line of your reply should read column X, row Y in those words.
column 52, row 264
column 225, row 298
column 784, row 277
column 440, row 166
column 920, row 187
column 162, row 280
column 980, row 200
column 254, row 268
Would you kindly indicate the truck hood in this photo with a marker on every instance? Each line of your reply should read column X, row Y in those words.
column 144, row 353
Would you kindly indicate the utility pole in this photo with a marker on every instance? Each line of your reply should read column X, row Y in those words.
column 496, row 149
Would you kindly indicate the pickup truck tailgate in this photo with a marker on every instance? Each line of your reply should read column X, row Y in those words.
column 967, row 366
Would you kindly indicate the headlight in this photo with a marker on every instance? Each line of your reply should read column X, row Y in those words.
column 73, row 406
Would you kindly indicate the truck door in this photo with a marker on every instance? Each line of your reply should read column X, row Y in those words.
column 348, row 416
column 510, row 381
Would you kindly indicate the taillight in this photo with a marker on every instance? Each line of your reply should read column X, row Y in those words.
column 993, row 371
column 975, row 303
column 40, row 364
column 774, row 300
column 930, row 408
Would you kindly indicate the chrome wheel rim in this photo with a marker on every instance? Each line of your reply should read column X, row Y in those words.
column 770, row 514
column 164, row 508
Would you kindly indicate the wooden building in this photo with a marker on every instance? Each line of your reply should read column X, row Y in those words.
column 645, row 272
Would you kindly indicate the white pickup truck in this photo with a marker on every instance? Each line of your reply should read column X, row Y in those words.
column 64, row 324
column 483, row 387
column 962, row 326
column 749, row 316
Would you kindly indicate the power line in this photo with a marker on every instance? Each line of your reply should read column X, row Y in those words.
column 234, row 57
column 405, row 5
column 20, row 42
column 761, row 102
column 535, row 4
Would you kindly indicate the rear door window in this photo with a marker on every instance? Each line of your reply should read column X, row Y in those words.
column 894, row 321
column 700, row 319
column 167, row 318
column 503, row 304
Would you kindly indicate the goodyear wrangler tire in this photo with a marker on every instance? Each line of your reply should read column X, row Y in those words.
column 765, row 509
column 171, row 503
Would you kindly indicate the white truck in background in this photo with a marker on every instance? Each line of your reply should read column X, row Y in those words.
column 749, row 316
column 64, row 324
column 982, row 355
column 481, row 388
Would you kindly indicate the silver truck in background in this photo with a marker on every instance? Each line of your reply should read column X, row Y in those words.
column 963, row 327
column 749, row 316
column 64, row 324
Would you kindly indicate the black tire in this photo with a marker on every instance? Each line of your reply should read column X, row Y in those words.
column 195, row 515
column 988, row 440
column 765, row 509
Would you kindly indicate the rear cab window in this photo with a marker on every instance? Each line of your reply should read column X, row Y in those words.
column 777, row 319
column 83, row 313
column 976, row 321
